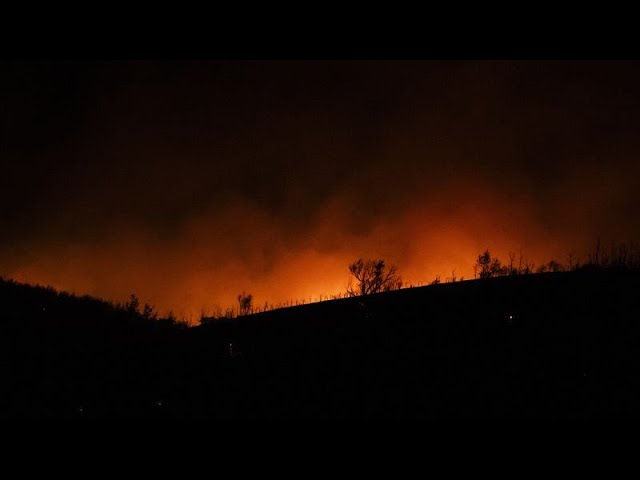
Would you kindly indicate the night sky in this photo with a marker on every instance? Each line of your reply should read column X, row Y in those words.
column 190, row 182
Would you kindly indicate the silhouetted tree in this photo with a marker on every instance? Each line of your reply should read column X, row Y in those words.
column 552, row 266
column 133, row 305
column 373, row 276
column 488, row 266
column 148, row 313
column 245, row 303
column 555, row 266
column 595, row 258
column 511, row 268
column 482, row 264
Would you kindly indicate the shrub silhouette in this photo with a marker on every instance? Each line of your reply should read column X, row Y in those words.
column 552, row 266
column 489, row 267
column 245, row 303
column 373, row 276
column 148, row 313
column 133, row 305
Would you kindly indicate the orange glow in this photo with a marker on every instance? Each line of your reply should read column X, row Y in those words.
column 187, row 183
column 220, row 253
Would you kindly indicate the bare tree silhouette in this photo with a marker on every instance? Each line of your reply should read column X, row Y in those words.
column 148, row 312
column 133, row 305
column 552, row 266
column 244, row 300
column 373, row 276
column 488, row 266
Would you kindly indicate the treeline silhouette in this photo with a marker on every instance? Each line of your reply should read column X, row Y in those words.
column 24, row 302
column 371, row 276
column 555, row 344
column 618, row 256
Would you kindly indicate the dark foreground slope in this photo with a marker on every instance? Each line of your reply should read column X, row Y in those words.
column 548, row 345
column 553, row 344
column 63, row 356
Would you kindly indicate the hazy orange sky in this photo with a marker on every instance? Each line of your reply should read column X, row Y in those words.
column 190, row 182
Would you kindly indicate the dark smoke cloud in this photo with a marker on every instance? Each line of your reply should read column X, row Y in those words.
column 190, row 182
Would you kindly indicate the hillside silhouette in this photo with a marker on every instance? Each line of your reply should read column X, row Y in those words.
column 559, row 344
